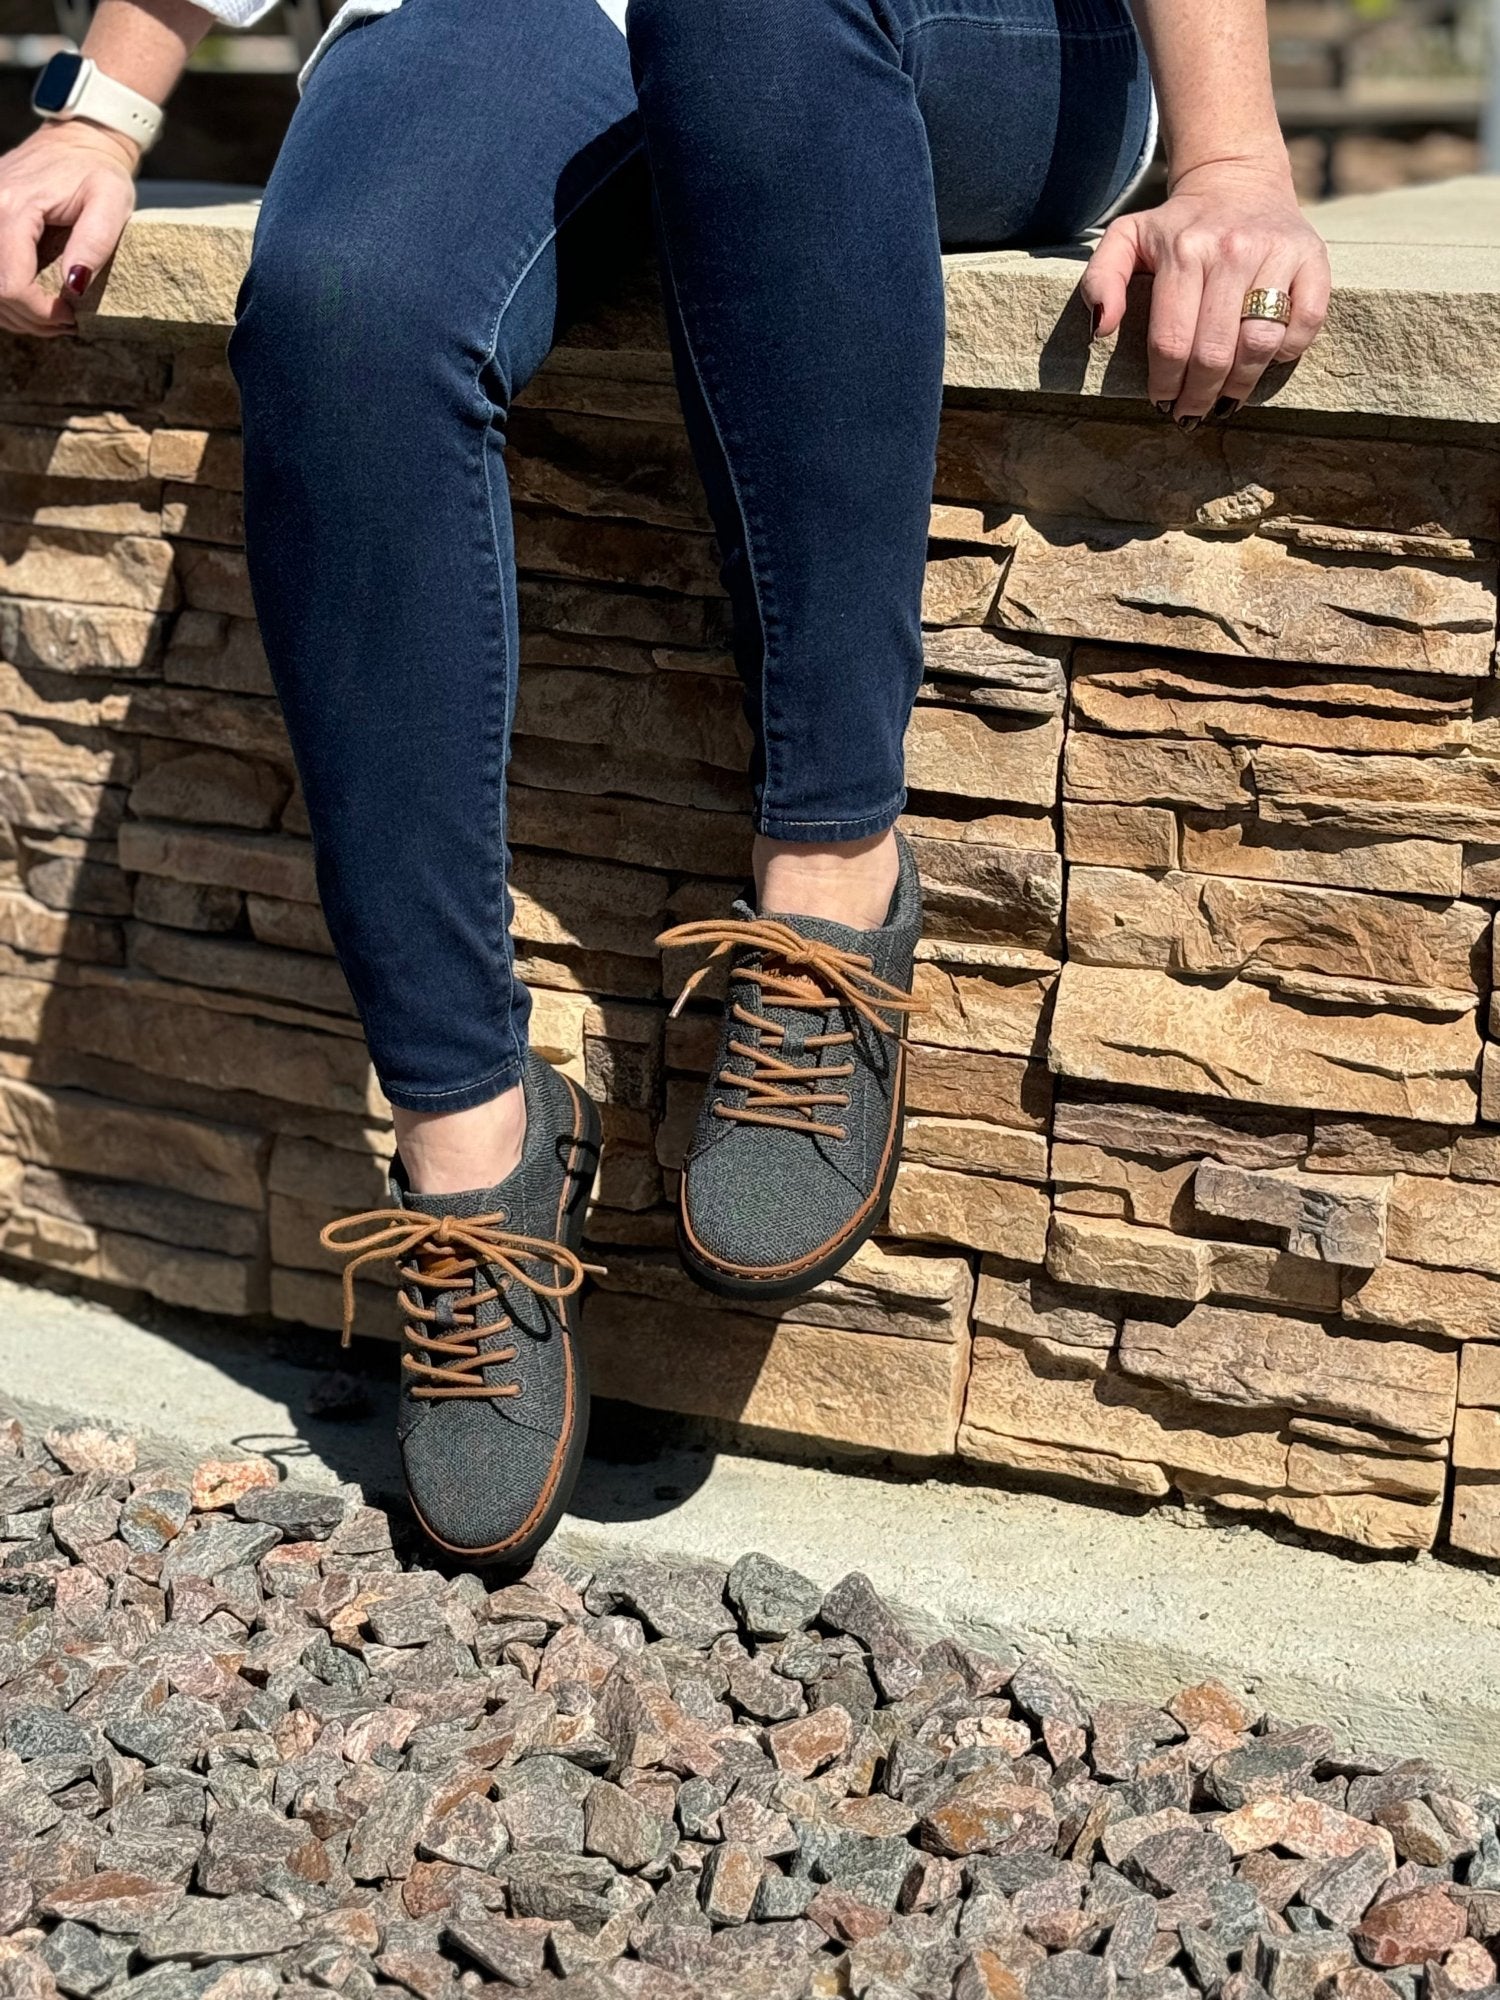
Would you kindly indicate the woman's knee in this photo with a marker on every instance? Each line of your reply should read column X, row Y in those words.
column 317, row 304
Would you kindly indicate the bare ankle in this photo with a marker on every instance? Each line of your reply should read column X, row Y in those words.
column 846, row 881
column 452, row 1152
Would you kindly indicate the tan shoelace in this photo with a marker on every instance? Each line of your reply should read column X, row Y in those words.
column 808, row 973
column 451, row 1249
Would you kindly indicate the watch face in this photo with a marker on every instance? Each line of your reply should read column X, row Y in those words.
column 55, row 85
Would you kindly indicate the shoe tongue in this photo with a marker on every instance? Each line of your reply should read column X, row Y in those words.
column 823, row 929
column 472, row 1202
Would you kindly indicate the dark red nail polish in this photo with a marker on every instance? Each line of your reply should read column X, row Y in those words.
column 1226, row 406
column 1188, row 423
column 1094, row 318
column 77, row 280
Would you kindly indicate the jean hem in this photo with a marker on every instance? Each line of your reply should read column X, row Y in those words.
column 463, row 1097
column 810, row 831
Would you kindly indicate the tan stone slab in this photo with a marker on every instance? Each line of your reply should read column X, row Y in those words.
column 988, row 1012
column 314, row 1298
column 1138, row 771
column 1361, row 1440
column 1028, row 1307
column 1152, row 1030
column 693, row 715
column 972, row 891
column 1250, row 597
column 958, row 1083
column 89, row 445
column 868, row 1391
column 215, row 1049
column 1335, row 855
column 268, row 864
column 978, row 1210
column 960, row 589
column 1026, row 676
column 1057, row 1461
column 985, row 755
column 1257, row 1360
column 1454, row 1225
column 1479, row 1377
column 1120, row 836
column 1382, row 1146
column 1142, row 693
column 1456, row 1305
column 975, row 1145
column 1207, row 924
column 1012, row 1398
column 79, row 1132
column 905, row 1291
column 1310, row 1470
column 81, row 638
column 236, row 965
column 1405, row 301
column 1339, row 1219
column 1374, row 1520
column 1135, row 1190
column 1474, row 1526
column 1100, row 465
column 1453, row 798
column 1476, row 1441
column 127, row 572
column 298, row 926
column 1173, row 1132
column 1121, row 1256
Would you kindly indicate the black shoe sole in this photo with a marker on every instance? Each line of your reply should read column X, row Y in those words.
column 725, row 1285
column 587, row 1138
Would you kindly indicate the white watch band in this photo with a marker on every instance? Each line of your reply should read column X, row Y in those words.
column 116, row 105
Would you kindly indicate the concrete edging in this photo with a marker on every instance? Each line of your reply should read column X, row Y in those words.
column 1397, row 1656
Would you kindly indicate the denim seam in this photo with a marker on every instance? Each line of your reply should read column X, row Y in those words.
column 835, row 829
column 1035, row 31
column 496, row 762
column 422, row 1100
column 736, row 487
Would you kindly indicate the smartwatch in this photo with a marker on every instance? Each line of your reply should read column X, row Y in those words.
column 74, row 86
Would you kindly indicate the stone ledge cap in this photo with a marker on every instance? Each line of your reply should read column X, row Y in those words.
column 1413, row 330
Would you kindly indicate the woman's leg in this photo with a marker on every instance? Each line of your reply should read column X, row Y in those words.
column 403, row 287
column 808, row 158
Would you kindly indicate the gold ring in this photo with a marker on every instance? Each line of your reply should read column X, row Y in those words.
column 1268, row 303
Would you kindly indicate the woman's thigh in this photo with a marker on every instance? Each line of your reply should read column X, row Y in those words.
column 1038, row 112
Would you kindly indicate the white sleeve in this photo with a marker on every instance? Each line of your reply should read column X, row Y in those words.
column 237, row 13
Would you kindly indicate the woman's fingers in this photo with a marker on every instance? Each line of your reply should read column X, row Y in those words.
column 1106, row 280
column 1310, row 288
column 24, row 306
column 106, row 202
column 1176, row 301
column 1216, row 338
column 1260, row 340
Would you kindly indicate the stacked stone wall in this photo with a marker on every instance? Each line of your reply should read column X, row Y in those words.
column 1201, row 1194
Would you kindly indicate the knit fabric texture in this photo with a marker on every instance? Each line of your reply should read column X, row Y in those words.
column 761, row 1196
column 475, row 1468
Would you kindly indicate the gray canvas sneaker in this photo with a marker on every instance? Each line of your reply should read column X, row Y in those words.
column 494, row 1397
column 798, row 1141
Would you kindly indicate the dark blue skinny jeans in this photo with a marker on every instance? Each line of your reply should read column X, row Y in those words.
column 808, row 159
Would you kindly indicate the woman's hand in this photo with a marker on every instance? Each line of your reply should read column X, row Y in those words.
column 1225, row 229
column 73, row 181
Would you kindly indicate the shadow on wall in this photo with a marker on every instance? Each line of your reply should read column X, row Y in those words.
column 184, row 1093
